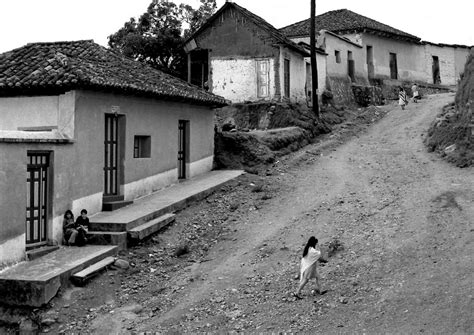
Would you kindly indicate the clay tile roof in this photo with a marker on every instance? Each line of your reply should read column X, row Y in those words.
column 345, row 21
column 51, row 68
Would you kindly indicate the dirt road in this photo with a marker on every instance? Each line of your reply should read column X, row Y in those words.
column 403, row 216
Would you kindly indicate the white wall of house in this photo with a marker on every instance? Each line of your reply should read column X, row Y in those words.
column 56, row 112
column 236, row 78
column 322, row 73
column 447, row 64
column 297, row 75
column 410, row 56
column 332, row 44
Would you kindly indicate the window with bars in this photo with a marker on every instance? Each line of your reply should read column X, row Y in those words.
column 142, row 146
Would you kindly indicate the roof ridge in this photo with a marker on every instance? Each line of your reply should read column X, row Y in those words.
column 59, row 42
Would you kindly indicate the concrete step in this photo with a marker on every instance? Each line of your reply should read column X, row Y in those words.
column 38, row 252
column 82, row 276
column 108, row 238
column 148, row 228
column 114, row 205
column 35, row 283
column 126, row 226
column 168, row 200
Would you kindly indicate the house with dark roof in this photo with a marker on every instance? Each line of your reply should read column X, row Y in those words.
column 388, row 53
column 84, row 127
column 240, row 56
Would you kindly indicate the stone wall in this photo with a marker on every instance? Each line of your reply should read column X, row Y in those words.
column 368, row 95
column 341, row 88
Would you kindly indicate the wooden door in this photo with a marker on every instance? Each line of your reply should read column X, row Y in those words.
column 37, row 204
column 263, row 78
column 111, row 155
column 182, row 148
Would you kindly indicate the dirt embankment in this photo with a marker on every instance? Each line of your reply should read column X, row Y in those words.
column 265, row 131
column 451, row 134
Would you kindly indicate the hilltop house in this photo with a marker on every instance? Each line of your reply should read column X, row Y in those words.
column 83, row 127
column 240, row 56
column 388, row 53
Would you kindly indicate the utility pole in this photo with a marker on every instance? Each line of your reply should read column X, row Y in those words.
column 314, row 66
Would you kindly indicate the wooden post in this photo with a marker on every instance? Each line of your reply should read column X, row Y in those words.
column 189, row 67
column 314, row 66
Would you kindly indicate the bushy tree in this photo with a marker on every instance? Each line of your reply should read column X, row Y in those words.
column 158, row 35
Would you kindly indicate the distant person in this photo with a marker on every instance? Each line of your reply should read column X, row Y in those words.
column 309, row 266
column 82, row 226
column 69, row 228
column 402, row 98
column 416, row 93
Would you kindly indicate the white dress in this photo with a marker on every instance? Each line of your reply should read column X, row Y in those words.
column 309, row 263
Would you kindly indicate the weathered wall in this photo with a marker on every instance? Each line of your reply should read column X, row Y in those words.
column 35, row 111
column 334, row 69
column 410, row 57
column 321, row 61
column 297, row 75
column 149, row 117
column 236, row 78
column 233, row 35
column 49, row 111
column 341, row 88
column 12, row 202
column 77, row 167
column 447, row 64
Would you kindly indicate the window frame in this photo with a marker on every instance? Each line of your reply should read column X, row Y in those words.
column 142, row 146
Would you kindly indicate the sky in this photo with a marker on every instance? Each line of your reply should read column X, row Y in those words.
column 27, row 21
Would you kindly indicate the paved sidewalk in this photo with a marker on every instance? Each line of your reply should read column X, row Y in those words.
column 169, row 199
column 36, row 282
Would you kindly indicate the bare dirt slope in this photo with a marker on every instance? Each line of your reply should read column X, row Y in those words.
column 403, row 216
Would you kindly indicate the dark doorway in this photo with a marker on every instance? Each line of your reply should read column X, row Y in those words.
column 370, row 62
column 37, row 195
column 200, row 68
column 183, row 147
column 286, row 77
column 435, row 69
column 393, row 66
column 350, row 66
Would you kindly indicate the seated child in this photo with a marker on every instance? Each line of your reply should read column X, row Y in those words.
column 82, row 226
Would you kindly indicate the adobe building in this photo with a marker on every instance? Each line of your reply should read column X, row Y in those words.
column 240, row 56
column 387, row 53
column 84, row 127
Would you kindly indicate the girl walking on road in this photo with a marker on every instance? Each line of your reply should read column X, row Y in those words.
column 309, row 266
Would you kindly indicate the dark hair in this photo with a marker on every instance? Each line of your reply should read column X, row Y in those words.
column 68, row 212
column 401, row 88
column 311, row 243
column 84, row 211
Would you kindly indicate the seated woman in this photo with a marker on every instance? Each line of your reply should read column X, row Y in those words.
column 69, row 228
